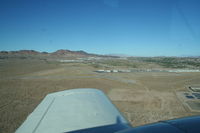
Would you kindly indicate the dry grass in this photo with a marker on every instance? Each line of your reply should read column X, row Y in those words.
column 150, row 98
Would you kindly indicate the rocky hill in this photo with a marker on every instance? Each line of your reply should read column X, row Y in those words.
column 27, row 52
column 63, row 52
column 60, row 52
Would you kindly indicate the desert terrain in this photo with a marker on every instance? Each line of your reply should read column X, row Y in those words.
column 146, row 94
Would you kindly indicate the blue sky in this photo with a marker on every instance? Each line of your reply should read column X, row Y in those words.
column 132, row 27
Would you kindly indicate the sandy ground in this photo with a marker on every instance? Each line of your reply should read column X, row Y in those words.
column 143, row 97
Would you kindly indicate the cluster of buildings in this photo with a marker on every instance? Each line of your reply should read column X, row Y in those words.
column 183, row 70
column 113, row 71
column 80, row 59
column 194, row 88
column 70, row 61
column 194, row 92
column 146, row 70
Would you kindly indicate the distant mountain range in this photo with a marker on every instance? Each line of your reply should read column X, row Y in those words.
column 61, row 52
column 80, row 53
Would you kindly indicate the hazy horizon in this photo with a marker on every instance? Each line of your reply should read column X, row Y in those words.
column 109, row 54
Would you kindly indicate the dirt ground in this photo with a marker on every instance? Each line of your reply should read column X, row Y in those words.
column 143, row 97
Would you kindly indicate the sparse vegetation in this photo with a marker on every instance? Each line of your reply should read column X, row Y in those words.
column 96, row 65
column 118, row 62
column 172, row 62
column 142, row 97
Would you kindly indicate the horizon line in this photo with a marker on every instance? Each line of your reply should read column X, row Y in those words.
column 110, row 54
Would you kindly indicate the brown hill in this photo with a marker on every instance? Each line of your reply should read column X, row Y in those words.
column 23, row 52
column 60, row 53
column 31, row 52
column 63, row 52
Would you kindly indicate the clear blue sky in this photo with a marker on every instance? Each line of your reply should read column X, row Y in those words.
column 132, row 27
